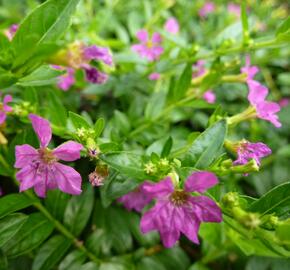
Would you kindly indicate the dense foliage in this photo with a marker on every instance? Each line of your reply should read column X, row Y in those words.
column 144, row 134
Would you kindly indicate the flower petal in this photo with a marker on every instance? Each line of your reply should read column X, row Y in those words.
column 142, row 35
column 26, row 176
column 190, row 226
column 68, row 179
column 2, row 117
column 156, row 38
column 42, row 129
column 68, row 151
column 24, row 154
column 7, row 99
column 206, row 209
column 169, row 237
column 158, row 190
column 200, row 181
column 257, row 92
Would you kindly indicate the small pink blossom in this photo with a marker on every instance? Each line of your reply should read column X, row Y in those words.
column 10, row 33
column 199, row 69
column 176, row 211
column 98, row 53
column 247, row 151
column 207, row 8
column 284, row 102
column 172, row 26
column 4, row 108
column 257, row 96
column 148, row 48
column 154, row 76
column 39, row 168
column 95, row 76
column 234, row 9
column 135, row 199
column 67, row 80
column 209, row 97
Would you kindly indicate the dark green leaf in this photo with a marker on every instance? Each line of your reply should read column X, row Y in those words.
column 167, row 147
column 51, row 253
column 14, row 202
column 78, row 211
column 184, row 82
column 99, row 126
column 277, row 201
column 10, row 225
column 73, row 260
column 207, row 145
column 33, row 232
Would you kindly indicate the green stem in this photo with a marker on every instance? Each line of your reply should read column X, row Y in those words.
column 245, row 24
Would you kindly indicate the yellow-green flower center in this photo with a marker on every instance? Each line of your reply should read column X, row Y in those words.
column 46, row 155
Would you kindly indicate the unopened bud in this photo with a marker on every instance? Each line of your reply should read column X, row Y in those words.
column 231, row 199
column 251, row 220
column 174, row 177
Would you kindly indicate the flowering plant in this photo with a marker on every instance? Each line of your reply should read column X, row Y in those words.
column 144, row 135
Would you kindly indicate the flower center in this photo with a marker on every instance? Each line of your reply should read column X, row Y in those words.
column 1, row 106
column 179, row 197
column 47, row 156
column 149, row 44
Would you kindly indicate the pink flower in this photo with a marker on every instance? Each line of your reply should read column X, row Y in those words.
column 172, row 26
column 209, row 96
column 67, row 80
column 247, row 151
column 234, row 9
column 206, row 9
column 136, row 199
column 176, row 211
column 257, row 94
column 148, row 48
column 199, row 69
column 11, row 31
column 39, row 168
column 95, row 76
column 4, row 108
column 284, row 102
column 98, row 53
column 154, row 76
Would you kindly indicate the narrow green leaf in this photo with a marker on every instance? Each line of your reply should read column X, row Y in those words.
column 184, row 82
column 33, row 232
column 167, row 147
column 206, row 146
column 284, row 27
column 78, row 211
column 45, row 24
column 51, row 253
column 277, row 201
column 3, row 261
column 14, row 202
column 99, row 126
column 10, row 225
column 73, row 260
column 155, row 104
column 78, row 121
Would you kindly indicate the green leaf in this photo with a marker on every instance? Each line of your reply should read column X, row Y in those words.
column 99, row 126
column 14, row 202
column 45, row 75
column 33, row 232
column 122, row 122
column 79, row 121
column 126, row 163
column 167, row 147
column 78, row 211
column 277, row 201
column 56, row 202
column 10, row 225
column 51, row 253
column 45, row 24
column 206, row 146
column 155, row 104
column 73, row 261
column 284, row 27
column 210, row 80
column 150, row 263
column 89, row 266
column 7, row 78
column 3, row 261
column 183, row 83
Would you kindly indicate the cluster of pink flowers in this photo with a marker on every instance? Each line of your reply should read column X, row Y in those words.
column 40, row 168
column 175, row 210
column 257, row 96
column 4, row 108
column 80, row 57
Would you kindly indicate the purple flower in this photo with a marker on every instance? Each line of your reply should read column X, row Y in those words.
column 247, row 151
column 67, row 80
column 10, row 33
column 172, row 26
column 206, row 9
column 234, row 9
column 4, row 108
column 95, row 76
column 257, row 94
column 199, row 69
column 154, row 76
column 209, row 96
column 176, row 211
column 98, row 53
column 136, row 199
column 39, row 168
column 148, row 48
column 284, row 102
